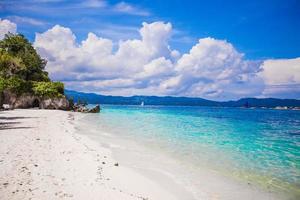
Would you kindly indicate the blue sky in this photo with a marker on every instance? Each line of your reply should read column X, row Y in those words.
column 260, row 29
column 261, row 32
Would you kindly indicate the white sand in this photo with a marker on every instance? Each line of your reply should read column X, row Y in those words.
column 42, row 158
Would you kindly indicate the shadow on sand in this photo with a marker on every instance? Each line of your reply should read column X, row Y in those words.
column 9, row 123
column 14, row 118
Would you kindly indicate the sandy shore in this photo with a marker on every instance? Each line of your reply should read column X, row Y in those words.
column 41, row 157
column 44, row 156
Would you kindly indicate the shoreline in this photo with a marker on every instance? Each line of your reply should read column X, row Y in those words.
column 44, row 156
column 152, row 162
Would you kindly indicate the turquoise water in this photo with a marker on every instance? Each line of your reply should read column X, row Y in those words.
column 257, row 145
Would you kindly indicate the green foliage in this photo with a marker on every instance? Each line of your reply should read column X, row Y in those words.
column 22, row 69
column 2, row 84
column 30, row 65
column 16, row 85
column 48, row 89
column 9, row 65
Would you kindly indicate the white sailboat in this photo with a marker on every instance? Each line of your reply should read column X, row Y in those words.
column 142, row 104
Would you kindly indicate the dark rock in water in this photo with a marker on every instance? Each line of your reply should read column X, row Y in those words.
column 83, row 108
column 96, row 109
column 79, row 108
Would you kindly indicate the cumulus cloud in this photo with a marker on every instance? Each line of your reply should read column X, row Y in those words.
column 94, row 59
column 282, row 78
column 7, row 26
column 147, row 65
column 212, row 69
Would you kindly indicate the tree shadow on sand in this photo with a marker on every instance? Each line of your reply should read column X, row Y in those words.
column 8, row 123
column 14, row 118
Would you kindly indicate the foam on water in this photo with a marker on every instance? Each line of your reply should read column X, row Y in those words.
column 258, row 146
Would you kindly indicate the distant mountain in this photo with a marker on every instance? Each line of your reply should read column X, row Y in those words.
column 179, row 101
column 264, row 102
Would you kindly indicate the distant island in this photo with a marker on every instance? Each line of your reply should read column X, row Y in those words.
column 93, row 98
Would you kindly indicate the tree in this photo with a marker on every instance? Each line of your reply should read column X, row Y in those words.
column 9, row 65
column 21, row 55
column 22, row 69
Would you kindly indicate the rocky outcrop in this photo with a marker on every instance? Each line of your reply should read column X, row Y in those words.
column 30, row 101
column 27, row 100
column 79, row 108
column 96, row 109
column 83, row 108
column 60, row 103
column 15, row 101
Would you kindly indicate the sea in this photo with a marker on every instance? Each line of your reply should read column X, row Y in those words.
column 256, row 147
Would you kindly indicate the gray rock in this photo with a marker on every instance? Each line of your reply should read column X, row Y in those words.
column 80, row 108
column 84, row 109
column 30, row 101
column 7, row 107
column 96, row 109
column 15, row 101
column 59, row 103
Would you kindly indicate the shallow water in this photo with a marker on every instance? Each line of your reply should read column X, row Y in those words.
column 258, row 146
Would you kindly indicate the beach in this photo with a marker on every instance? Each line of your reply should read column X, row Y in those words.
column 44, row 156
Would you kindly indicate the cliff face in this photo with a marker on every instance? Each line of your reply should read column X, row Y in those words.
column 27, row 100
column 60, row 103
column 24, row 83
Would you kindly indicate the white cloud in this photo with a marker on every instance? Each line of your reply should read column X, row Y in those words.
column 127, row 8
column 94, row 4
column 26, row 20
column 95, row 54
column 281, row 71
column 87, row 7
column 117, row 32
column 7, row 26
column 212, row 69
column 282, row 78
